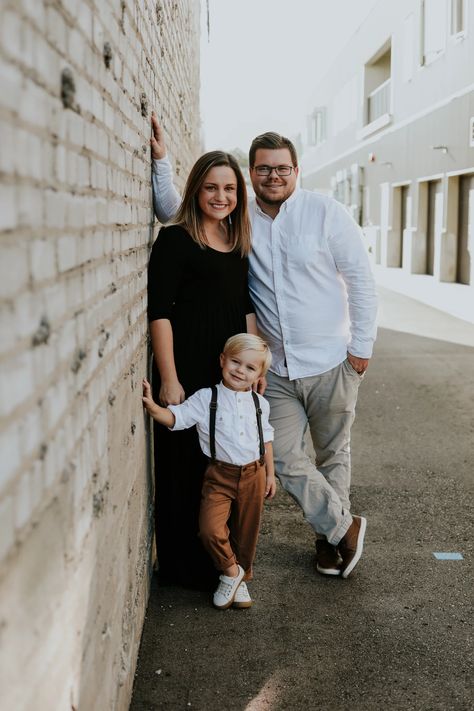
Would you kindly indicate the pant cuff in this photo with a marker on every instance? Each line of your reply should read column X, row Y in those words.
column 342, row 530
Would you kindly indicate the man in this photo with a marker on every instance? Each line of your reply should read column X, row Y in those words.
column 314, row 296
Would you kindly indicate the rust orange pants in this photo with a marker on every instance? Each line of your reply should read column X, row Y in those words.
column 230, row 513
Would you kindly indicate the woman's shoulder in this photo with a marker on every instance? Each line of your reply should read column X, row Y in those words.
column 173, row 237
column 173, row 231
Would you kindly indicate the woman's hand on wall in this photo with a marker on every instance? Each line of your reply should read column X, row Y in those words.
column 157, row 140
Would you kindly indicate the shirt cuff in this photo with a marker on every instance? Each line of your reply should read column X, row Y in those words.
column 157, row 164
column 178, row 419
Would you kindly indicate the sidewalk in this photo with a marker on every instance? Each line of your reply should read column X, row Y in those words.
column 397, row 635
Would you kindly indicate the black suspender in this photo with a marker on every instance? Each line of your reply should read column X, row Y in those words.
column 258, row 410
column 212, row 424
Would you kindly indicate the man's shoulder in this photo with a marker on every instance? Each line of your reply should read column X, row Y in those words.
column 316, row 198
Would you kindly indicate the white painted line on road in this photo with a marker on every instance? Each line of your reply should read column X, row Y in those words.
column 448, row 556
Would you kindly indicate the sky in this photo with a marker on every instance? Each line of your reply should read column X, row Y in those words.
column 262, row 61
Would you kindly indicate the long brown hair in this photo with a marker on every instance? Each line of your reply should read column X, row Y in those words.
column 189, row 213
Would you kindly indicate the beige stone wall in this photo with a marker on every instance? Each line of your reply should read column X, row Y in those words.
column 78, row 80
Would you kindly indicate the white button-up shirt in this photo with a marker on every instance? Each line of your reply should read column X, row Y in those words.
column 310, row 279
column 237, row 440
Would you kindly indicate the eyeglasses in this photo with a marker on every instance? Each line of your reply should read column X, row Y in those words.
column 268, row 169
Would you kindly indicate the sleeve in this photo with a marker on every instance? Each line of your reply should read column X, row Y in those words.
column 166, row 199
column 266, row 426
column 249, row 307
column 351, row 259
column 192, row 411
column 165, row 273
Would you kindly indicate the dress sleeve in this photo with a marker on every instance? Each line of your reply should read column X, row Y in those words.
column 165, row 273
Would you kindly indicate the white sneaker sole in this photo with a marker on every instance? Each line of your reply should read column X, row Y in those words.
column 335, row 572
column 242, row 605
column 360, row 547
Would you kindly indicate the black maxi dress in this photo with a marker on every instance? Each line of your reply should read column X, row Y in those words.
column 204, row 294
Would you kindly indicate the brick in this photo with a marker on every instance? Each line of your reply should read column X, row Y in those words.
column 7, row 526
column 42, row 260
column 11, row 454
column 55, row 209
column 8, row 212
column 67, row 252
column 30, row 206
column 22, row 501
column 14, row 269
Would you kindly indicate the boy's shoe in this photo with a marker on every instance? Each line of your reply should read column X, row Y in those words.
column 328, row 560
column 351, row 546
column 242, row 597
column 225, row 593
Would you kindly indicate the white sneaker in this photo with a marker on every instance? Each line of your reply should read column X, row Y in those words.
column 242, row 597
column 225, row 593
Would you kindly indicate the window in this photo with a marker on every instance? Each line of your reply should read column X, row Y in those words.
column 433, row 28
column 317, row 127
column 457, row 26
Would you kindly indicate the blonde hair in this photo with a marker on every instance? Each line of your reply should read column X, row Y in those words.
column 245, row 342
column 189, row 213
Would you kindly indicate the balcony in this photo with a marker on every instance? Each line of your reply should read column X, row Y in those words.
column 378, row 102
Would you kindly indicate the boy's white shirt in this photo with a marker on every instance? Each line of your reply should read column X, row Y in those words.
column 236, row 435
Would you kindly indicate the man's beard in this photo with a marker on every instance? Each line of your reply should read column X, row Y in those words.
column 269, row 201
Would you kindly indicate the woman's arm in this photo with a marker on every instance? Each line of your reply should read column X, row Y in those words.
column 160, row 414
column 166, row 199
column 171, row 391
column 251, row 321
column 270, row 486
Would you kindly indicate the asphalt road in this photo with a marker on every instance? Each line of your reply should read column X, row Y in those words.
column 398, row 634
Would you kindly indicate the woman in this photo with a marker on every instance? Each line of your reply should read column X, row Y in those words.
column 197, row 298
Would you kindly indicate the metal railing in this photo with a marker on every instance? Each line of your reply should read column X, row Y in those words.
column 378, row 101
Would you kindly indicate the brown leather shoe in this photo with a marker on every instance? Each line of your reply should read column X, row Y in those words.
column 328, row 559
column 351, row 546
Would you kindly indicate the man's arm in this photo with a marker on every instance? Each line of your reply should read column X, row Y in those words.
column 352, row 261
column 166, row 199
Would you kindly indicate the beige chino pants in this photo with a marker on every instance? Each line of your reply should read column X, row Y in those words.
column 326, row 405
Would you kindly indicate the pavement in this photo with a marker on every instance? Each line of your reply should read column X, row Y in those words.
column 397, row 635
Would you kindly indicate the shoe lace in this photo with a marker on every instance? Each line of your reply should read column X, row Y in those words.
column 224, row 588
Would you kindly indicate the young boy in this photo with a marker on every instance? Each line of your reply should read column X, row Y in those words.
column 234, row 432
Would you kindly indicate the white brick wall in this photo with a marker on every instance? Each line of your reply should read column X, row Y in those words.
column 75, row 215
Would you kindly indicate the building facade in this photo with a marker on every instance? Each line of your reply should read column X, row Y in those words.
column 78, row 81
column 390, row 133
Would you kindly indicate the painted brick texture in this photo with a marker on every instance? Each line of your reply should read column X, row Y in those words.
column 78, row 80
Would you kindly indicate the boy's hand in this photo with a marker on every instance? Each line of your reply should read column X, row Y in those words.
column 157, row 141
column 147, row 398
column 270, row 487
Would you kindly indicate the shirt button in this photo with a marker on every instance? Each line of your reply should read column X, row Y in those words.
column 241, row 434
